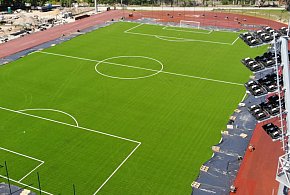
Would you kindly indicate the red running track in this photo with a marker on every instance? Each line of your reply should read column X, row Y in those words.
column 207, row 18
column 257, row 173
column 32, row 40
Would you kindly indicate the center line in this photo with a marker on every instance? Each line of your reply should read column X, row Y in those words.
column 148, row 69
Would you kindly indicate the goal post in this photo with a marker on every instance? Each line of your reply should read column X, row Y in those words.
column 189, row 24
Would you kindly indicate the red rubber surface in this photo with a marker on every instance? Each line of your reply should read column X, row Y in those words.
column 206, row 18
column 258, row 170
column 209, row 19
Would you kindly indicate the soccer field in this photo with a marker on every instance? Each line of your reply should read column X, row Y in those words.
column 127, row 109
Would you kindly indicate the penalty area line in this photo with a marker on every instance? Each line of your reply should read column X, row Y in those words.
column 177, row 38
column 71, row 125
column 19, row 154
column 42, row 162
column 117, row 169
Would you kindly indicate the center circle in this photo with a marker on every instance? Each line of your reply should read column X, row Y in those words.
column 107, row 61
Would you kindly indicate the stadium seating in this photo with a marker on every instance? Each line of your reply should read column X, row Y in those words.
column 250, row 40
column 255, row 88
column 270, row 108
column 283, row 31
column 272, row 130
column 252, row 64
column 264, row 36
column 258, row 112
column 269, row 82
column 264, row 85
column 267, row 60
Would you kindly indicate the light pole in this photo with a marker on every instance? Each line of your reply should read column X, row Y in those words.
column 96, row 6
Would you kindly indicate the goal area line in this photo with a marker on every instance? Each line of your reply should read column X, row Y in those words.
column 41, row 162
column 183, row 29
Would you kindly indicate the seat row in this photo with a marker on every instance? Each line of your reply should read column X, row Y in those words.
column 263, row 36
column 263, row 86
column 267, row 60
column 267, row 109
column 272, row 130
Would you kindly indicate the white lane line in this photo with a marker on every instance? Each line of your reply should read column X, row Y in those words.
column 117, row 169
column 54, row 110
column 171, row 73
column 67, row 124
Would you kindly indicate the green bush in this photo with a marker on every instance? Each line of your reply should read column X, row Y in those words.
column 225, row 2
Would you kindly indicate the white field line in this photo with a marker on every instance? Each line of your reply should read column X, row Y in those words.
column 165, row 72
column 171, row 40
column 67, row 124
column 191, row 31
column 83, row 128
column 202, row 78
column 117, row 169
column 214, row 30
column 102, row 61
column 30, row 172
column 19, row 154
column 133, row 27
column 235, row 40
column 140, row 77
column 29, row 157
column 244, row 97
column 54, row 110
column 225, row 31
column 169, row 37
column 36, row 189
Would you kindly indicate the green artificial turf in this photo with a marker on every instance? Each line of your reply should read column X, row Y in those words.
column 175, row 115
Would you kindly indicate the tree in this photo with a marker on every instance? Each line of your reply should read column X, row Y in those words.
column 288, row 5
